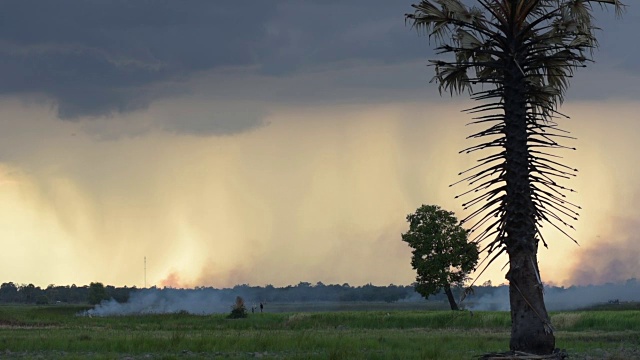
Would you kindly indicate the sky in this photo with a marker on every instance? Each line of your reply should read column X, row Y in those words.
column 270, row 142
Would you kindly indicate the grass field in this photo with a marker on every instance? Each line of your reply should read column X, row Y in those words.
column 55, row 332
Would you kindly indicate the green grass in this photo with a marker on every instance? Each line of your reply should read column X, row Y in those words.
column 55, row 332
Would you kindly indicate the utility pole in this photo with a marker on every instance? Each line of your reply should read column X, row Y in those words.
column 145, row 272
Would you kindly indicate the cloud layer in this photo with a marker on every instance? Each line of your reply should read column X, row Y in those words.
column 96, row 58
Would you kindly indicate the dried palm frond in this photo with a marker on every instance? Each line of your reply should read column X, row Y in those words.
column 553, row 37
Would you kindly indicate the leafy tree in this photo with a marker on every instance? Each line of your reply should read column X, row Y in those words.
column 28, row 293
column 521, row 53
column 8, row 292
column 97, row 293
column 442, row 256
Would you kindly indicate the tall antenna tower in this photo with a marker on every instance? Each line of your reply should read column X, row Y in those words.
column 145, row 272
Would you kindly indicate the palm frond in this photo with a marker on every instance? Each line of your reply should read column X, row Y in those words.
column 541, row 42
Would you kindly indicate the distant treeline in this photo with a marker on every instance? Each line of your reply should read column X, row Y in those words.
column 31, row 294
column 307, row 292
column 303, row 292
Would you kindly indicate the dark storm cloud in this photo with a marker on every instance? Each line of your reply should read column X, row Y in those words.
column 95, row 58
column 320, row 32
column 98, row 57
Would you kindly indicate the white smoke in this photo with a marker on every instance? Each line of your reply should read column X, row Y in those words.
column 497, row 300
column 210, row 301
column 560, row 298
column 156, row 301
column 576, row 297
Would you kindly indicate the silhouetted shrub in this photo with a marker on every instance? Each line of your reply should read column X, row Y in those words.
column 238, row 310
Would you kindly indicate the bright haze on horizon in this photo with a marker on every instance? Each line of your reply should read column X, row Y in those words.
column 268, row 144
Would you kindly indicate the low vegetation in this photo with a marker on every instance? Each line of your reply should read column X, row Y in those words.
column 57, row 332
column 238, row 311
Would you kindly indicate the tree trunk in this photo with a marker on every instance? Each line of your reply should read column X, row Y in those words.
column 452, row 301
column 530, row 326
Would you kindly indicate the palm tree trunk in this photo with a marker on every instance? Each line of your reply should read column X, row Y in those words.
column 530, row 325
column 452, row 300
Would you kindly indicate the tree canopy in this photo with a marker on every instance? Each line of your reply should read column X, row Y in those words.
column 441, row 253
column 97, row 293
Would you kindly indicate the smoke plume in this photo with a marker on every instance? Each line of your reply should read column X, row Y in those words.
column 156, row 301
column 560, row 298
column 611, row 258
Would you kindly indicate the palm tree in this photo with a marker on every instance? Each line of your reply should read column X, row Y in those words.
column 521, row 54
